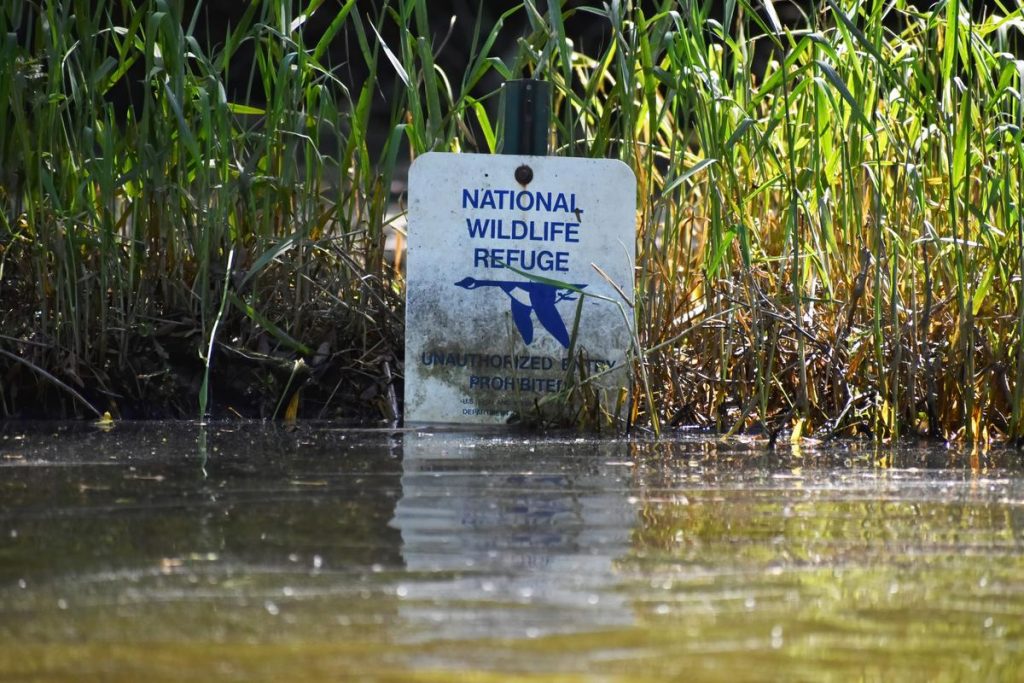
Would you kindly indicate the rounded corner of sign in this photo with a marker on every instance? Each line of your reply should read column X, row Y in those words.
column 624, row 168
column 424, row 159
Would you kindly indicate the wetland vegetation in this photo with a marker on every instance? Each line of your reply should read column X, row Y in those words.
column 830, row 236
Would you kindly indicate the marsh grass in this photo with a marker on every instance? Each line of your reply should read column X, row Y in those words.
column 830, row 238
column 141, row 244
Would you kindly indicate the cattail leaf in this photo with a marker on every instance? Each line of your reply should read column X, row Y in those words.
column 336, row 24
column 840, row 86
column 682, row 177
column 983, row 288
column 399, row 69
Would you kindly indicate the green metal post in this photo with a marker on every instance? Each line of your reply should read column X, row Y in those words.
column 527, row 117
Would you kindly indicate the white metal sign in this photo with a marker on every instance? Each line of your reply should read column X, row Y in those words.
column 501, row 257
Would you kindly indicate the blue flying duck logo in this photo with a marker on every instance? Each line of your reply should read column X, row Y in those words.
column 528, row 299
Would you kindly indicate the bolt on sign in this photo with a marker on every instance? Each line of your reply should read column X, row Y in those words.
column 505, row 253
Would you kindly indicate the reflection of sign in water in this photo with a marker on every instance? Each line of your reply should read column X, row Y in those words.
column 491, row 544
column 532, row 298
column 483, row 247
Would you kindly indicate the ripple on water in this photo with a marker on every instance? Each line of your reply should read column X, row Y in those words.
column 328, row 554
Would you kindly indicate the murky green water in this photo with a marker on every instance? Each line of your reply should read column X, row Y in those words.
column 141, row 554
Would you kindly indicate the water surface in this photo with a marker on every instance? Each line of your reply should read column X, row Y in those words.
column 158, row 552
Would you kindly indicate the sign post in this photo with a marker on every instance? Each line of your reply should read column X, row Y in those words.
column 527, row 111
column 501, row 258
